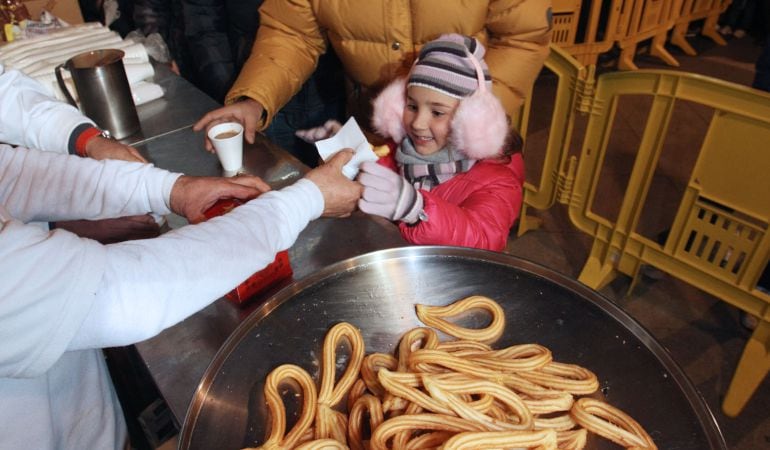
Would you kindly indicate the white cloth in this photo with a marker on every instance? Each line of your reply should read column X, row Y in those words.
column 62, row 297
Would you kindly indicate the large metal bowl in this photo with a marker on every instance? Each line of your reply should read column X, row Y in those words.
column 377, row 292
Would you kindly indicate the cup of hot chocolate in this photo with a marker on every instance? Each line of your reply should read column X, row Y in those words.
column 227, row 139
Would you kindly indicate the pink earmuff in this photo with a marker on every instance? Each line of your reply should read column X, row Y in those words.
column 479, row 125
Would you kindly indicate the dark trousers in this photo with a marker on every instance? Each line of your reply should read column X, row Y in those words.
column 762, row 75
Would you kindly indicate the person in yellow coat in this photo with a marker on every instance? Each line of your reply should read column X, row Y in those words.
column 376, row 41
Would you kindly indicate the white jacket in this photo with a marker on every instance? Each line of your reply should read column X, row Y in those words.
column 62, row 297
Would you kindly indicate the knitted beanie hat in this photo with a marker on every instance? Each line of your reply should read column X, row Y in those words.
column 445, row 65
column 451, row 65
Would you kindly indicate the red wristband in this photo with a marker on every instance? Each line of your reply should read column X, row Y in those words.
column 84, row 138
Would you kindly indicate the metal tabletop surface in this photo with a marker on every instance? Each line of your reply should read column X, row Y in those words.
column 178, row 357
column 377, row 293
column 180, row 107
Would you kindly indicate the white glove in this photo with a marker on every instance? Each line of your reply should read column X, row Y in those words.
column 388, row 194
column 325, row 131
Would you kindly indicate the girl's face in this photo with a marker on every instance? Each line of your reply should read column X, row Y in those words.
column 427, row 118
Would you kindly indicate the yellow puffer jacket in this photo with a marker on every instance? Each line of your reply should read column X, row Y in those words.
column 376, row 40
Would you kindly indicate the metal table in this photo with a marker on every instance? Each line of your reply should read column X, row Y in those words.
column 180, row 107
column 377, row 292
column 177, row 357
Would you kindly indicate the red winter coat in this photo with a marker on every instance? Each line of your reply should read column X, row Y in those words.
column 473, row 209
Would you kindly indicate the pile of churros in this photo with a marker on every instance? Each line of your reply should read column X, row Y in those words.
column 457, row 394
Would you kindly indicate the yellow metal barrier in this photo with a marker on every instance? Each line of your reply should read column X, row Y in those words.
column 574, row 81
column 641, row 20
column 598, row 37
column 719, row 239
column 629, row 22
column 690, row 10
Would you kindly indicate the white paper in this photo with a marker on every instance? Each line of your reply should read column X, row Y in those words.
column 349, row 136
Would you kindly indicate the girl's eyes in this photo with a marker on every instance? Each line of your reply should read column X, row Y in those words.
column 435, row 113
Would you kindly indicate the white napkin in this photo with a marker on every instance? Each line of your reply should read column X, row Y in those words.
column 145, row 91
column 349, row 136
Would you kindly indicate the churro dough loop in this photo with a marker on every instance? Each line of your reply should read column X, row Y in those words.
column 357, row 391
column 566, row 377
column 278, row 377
column 371, row 365
column 434, row 316
column 418, row 422
column 323, row 444
column 610, row 422
column 330, row 423
column 572, row 439
column 367, row 404
column 541, row 439
column 462, row 345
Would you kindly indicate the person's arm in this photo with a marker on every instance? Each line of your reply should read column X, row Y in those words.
column 483, row 220
column 150, row 285
column 285, row 53
column 61, row 292
column 519, row 35
column 45, row 186
column 30, row 117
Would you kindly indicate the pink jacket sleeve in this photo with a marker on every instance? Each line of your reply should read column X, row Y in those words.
column 475, row 210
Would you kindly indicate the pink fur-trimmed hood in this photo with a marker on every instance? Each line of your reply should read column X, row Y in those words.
column 479, row 125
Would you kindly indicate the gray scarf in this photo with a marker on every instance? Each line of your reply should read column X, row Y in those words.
column 428, row 171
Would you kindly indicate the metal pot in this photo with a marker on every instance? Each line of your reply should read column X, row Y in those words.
column 103, row 90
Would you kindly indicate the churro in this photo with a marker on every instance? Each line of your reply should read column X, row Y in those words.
column 434, row 316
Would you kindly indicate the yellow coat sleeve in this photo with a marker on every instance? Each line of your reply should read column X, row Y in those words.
column 285, row 54
column 519, row 36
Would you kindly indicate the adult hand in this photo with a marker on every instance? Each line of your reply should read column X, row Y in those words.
column 247, row 112
column 388, row 194
column 192, row 196
column 108, row 231
column 325, row 131
column 340, row 193
column 102, row 148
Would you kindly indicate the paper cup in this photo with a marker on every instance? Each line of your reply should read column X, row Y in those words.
column 227, row 139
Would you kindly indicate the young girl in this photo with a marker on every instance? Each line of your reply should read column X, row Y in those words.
column 454, row 174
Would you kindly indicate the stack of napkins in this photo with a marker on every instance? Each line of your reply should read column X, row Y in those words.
column 349, row 136
column 38, row 57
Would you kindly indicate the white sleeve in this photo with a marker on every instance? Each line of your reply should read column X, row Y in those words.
column 48, row 285
column 45, row 187
column 31, row 118
column 153, row 284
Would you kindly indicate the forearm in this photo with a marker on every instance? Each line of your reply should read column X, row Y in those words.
column 30, row 117
column 153, row 284
column 42, row 186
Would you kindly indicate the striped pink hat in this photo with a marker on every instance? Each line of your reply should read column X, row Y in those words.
column 444, row 65
column 479, row 125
